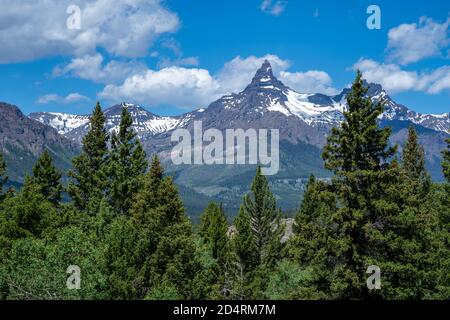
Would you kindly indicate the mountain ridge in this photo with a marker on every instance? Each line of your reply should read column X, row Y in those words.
column 314, row 109
column 303, row 120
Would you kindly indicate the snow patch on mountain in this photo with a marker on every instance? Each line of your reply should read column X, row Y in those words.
column 62, row 122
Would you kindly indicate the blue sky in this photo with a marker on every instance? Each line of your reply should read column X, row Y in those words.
column 177, row 55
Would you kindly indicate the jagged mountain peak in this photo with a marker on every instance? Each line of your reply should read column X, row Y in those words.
column 264, row 79
column 264, row 71
column 134, row 109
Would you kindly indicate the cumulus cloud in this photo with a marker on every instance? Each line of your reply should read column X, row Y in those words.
column 408, row 43
column 195, row 87
column 176, row 86
column 188, row 61
column 438, row 80
column 313, row 81
column 54, row 98
column 92, row 67
column 32, row 30
column 274, row 8
column 394, row 79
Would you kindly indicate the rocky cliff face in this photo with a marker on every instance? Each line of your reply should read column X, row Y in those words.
column 22, row 140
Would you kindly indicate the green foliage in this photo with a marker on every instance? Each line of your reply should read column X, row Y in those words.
column 244, row 247
column 290, row 282
column 153, row 249
column 358, row 144
column 264, row 219
column 47, row 178
column 164, row 292
column 257, row 239
column 413, row 164
column 446, row 161
column 29, row 213
column 89, row 179
column 3, row 176
column 244, row 242
column 309, row 246
column 120, row 259
column 358, row 153
column 214, row 235
column 126, row 164
column 36, row 269
column 374, row 212
column 214, row 229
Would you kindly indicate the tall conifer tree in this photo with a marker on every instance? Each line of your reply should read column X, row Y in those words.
column 214, row 229
column 358, row 153
column 309, row 243
column 264, row 218
column 89, row 179
column 413, row 164
column 3, row 176
column 161, row 258
column 244, row 247
column 446, row 161
column 47, row 178
column 126, row 164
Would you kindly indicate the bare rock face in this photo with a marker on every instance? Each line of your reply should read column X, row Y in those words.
column 22, row 140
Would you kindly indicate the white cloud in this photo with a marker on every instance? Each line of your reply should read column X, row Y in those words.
column 188, row 61
column 92, row 67
column 409, row 43
column 313, row 81
column 394, row 79
column 70, row 98
column 438, row 80
column 177, row 86
column 274, row 8
column 194, row 87
column 31, row 30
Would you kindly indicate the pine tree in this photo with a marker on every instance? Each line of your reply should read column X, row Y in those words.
column 413, row 164
column 48, row 178
column 440, row 202
column 358, row 144
column 446, row 161
column 28, row 213
column 309, row 244
column 244, row 247
column 162, row 249
column 214, row 229
column 126, row 164
column 264, row 218
column 89, row 179
column 3, row 176
column 151, row 183
column 358, row 153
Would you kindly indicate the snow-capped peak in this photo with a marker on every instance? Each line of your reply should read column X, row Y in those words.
column 264, row 79
column 62, row 122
